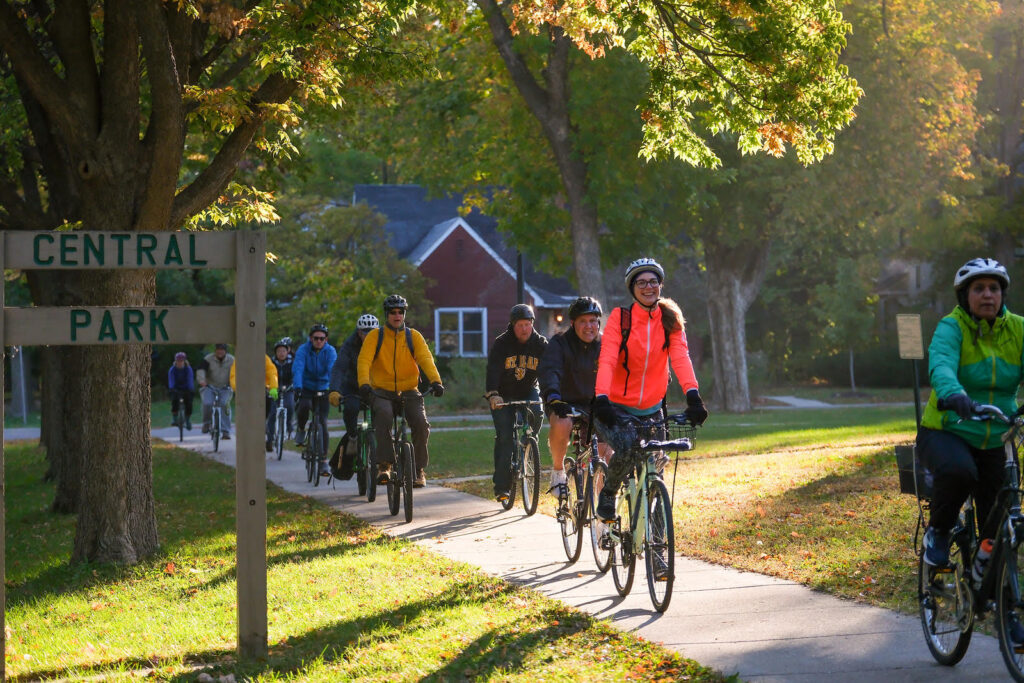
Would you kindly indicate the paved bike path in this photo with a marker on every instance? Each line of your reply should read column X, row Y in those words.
column 764, row 628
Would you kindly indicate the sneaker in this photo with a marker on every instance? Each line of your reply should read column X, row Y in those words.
column 936, row 547
column 270, row 447
column 420, row 481
column 559, row 490
column 206, row 429
column 174, row 420
column 501, row 497
column 300, row 439
column 224, row 436
column 383, row 474
column 324, row 472
column 188, row 424
column 606, row 506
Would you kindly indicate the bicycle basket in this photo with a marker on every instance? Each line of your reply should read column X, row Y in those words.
column 915, row 478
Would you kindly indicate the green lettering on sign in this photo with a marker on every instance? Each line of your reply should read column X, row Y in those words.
column 79, row 319
column 146, row 245
column 93, row 247
column 133, row 320
column 156, row 324
column 192, row 260
column 173, row 254
column 107, row 330
column 36, row 258
column 68, row 249
column 120, row 238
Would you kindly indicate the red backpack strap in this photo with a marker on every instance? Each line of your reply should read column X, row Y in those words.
column 625, row 322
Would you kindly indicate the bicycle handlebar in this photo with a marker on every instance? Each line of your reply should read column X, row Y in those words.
column 983, row 412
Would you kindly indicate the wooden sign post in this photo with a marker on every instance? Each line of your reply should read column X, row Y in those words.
column 911, row 341
column 244, row 324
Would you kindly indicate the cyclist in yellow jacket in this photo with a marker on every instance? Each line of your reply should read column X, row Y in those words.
column 390, row 362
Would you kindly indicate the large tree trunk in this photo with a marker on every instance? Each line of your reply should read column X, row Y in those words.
column 1008, row 90
column 116, row 514
column 735, row 275
column 62, row 417
column 549, row 104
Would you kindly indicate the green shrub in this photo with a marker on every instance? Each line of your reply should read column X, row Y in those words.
column 464, row 380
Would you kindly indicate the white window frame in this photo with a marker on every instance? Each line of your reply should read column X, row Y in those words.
column 461, row 332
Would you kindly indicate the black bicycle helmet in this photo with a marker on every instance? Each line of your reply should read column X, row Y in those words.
column 395, row 301
column 318, row 327
column 584, row 305
column 521, row 312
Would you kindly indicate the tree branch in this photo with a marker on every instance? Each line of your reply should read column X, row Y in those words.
column 535, row 96
column 32, row 67
column 70, row 29
column 210, row 183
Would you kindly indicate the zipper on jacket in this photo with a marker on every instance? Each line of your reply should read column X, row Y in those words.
column 647, row 358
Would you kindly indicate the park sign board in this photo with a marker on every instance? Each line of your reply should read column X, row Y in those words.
column 115, row 250
column 243, row 324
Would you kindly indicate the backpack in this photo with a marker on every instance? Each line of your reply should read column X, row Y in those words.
column 625, row 323
column 424, row 383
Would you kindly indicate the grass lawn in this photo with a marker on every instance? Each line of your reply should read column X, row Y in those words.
column 345, row 601
column 808, row 495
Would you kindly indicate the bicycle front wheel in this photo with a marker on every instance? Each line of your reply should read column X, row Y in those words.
column 531, row 475
column 215, row 429
column 371, row 468
column 623, row 557
column 1010, row 611
column 360, row 465
column 659, row 554
column 407, row 478
column 279, row 435
column 598, row 529
column 568, row 513
column 946, row 607
column 316, row 451
column 181, row 423
column 394, row 485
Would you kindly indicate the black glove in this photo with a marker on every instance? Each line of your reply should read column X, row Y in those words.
column 559, row 407
column 437, row 389
column 961, row 404
column 695, row 411
column 364, row 393
column 603, row 410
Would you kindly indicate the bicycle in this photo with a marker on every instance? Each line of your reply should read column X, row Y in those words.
column 525, row 463
column 179, row 415
column 216, row 417
column 280, row 422
column 949, row 598
column 399, row 481
column 643, row 523
column 586, row 471
column 315, row 445
column 365, row 473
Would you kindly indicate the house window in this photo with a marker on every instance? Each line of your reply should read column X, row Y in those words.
column 460, row 331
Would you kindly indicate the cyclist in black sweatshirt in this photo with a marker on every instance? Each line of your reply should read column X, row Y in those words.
column 512, row 376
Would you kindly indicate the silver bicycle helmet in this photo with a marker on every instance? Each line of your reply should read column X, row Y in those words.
column 642, row 265
column 367, row 322
column 979, row 267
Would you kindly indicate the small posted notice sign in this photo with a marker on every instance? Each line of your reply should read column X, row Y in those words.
column 908, row 329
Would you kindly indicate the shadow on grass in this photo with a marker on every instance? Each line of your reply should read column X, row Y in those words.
column 504, row 648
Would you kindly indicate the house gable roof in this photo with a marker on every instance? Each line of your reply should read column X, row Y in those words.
column 417, row 226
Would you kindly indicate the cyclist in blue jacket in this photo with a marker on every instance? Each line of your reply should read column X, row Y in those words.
column 311, row 372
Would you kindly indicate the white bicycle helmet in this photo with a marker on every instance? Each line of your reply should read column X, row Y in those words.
column 979, row 267
column 642, row 265
column 367, row 322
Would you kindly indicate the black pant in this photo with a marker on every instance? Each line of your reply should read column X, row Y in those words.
column 505, row 441
column 351, row 406
column 960, row 470
column 181, row 395
column 305, row 404
column 623, row 435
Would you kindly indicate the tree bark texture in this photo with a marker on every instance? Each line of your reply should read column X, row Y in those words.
column 549, row 104
column 106, row 129
column 735, row 274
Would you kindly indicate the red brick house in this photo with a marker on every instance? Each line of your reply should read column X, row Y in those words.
column 474, row 271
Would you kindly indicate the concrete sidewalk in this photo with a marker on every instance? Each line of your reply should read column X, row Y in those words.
column 763, row 628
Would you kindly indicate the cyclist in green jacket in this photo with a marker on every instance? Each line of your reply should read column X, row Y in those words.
column 976, row 356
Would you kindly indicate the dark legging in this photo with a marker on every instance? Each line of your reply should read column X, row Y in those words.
column 960, row 470
column 415, row 417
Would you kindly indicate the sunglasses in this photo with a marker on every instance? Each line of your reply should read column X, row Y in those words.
column 396, row 311
column 319, row 338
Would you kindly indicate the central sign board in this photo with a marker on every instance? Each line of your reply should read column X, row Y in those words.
column 162, row 250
